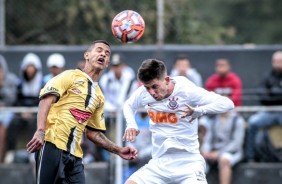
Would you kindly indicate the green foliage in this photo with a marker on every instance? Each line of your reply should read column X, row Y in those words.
column 255, row 21
column 78, row 22
column 189, row 22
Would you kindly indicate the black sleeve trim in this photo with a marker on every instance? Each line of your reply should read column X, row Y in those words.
column 94, row 129
column 50, row 93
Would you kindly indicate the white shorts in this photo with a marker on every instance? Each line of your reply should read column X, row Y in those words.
column 180, row 168
column 233, row 158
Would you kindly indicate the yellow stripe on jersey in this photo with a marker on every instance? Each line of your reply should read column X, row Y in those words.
column 80, row 104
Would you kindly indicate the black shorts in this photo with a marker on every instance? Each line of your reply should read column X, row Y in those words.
column 55, row 166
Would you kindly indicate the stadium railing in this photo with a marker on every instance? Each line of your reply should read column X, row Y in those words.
column 116, row 163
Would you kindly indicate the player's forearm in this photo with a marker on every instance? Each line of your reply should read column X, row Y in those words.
column 219, row 105
column 43, row 110
column 128, row 113
column 101, row 140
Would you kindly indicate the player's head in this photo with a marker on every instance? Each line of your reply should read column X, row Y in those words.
column 222, row 66
column 151, row 69
column 98, row 54
column 153, row 74
column 277, row 61
column 92, row 45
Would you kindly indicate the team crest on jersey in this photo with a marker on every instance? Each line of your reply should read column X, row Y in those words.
column 79, row 115
column 79, row 82
column 77, row 91
column 173, row 103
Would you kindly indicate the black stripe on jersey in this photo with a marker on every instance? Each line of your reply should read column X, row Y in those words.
column 88, row 93
column 94, row 129
column 70, row 139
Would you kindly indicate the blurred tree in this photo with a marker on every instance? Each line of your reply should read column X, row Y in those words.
column 70, row 22
column 193, row 22
column 77, row 22
column 56, row 21
column 256, row 22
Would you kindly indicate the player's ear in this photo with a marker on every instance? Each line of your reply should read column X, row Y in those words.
column 167, row 79
column 86, row 56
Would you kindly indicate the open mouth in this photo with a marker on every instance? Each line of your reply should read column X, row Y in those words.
column 156, row 98
column 101, row 60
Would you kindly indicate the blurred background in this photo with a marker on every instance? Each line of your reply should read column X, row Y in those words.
column 245, row 32
column 75, row 22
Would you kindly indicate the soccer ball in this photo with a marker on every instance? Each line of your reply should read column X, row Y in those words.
column 128, row 26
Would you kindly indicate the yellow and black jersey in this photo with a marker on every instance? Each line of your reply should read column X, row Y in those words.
column 80, row 104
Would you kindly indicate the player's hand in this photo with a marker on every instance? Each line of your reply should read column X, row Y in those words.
column 128, row 153
column 130, row 134
column 36, row 142
column 187, row 112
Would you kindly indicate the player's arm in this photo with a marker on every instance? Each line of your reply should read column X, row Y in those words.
column 211, row 103
column 130, row 107
column 43, row 110
column 131, row 130
column 205, row 102
column 50, row 94
column 99, row 138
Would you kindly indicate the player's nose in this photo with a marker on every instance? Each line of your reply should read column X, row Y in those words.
column 152, row 92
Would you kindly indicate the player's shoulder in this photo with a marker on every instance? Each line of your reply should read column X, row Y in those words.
column 70, row 72
column 141, row 90
column 179, row 78
column 74, row 72
column 184, row 87
column 70, row 75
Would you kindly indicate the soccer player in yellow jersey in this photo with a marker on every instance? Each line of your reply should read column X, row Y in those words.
column 71, row 103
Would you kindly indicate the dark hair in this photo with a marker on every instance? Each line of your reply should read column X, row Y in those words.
column 223, row 59
column 151, row 69
column 181, row 57
column 97, row 41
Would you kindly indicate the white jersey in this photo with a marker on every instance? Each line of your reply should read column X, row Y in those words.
column 169, row 131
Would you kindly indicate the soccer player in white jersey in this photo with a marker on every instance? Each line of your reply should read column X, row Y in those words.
column 174, row 106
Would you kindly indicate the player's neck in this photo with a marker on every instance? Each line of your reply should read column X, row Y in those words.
column 93, row 74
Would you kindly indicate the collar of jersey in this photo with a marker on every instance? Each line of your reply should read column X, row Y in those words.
column 89, row 78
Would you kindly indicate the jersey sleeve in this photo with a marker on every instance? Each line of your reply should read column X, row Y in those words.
column 206, row 102
column 58, row 85
column 130, row 107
